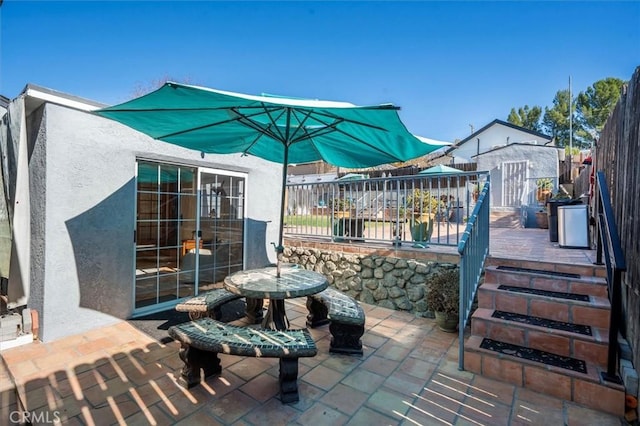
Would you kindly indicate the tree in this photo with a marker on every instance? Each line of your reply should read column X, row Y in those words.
column 526, row 117
column 596, row 104
column 556, row 121
column 144, row 88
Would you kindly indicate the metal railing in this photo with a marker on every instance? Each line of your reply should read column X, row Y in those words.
column 473, row 249
column 420, row 209
column 608, row 244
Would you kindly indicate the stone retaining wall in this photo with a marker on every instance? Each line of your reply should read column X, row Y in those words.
column 391, row 282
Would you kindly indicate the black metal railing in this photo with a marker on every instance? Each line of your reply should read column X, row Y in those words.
column 473, row 249
column 608, row 245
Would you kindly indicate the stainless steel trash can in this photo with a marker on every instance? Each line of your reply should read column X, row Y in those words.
column 573, row 226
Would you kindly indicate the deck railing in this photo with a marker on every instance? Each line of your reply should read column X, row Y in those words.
column 420, row 210
column 473, row 249
column 608, row 245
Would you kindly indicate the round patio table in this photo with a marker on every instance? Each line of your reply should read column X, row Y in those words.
column 263, row 283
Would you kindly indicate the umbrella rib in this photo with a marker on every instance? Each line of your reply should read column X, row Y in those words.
column 205, row 126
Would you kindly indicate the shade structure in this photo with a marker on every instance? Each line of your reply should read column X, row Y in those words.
column 440, row 169
column 351, row 177
column 283, row 130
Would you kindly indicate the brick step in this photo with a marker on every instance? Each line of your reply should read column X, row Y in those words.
column 583, row 388
column 591, row 348
column 595, row 312
column 585, row 270
column 546, row 280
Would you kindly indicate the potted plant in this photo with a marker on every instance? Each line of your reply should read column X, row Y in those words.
column 420, row 209
column 544, row 189
column 341, row 207
column 475, row 193
column 443, row 298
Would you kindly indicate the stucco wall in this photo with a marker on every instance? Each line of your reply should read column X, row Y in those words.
column 494, row 136
column 543, row 162
column 83, row 174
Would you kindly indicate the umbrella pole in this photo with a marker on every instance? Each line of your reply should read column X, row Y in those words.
column 280, row 246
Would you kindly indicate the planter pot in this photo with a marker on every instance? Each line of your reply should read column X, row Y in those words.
column 422, row 227
column 542, row 220
column 543, row 195
column 447, row 321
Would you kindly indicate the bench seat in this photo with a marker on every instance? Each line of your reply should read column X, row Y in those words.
column 202, row 340
column 345, row 317
column 207, row 304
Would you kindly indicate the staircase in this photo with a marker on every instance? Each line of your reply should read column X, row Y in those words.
column 505, row 218
column 545, row 327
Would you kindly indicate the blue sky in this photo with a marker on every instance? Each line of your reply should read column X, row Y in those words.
column 446, row 64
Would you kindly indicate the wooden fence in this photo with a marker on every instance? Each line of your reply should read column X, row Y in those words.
column 617, row 153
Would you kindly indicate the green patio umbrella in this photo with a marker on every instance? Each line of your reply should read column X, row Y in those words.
column 283, row 130
column 440, row 169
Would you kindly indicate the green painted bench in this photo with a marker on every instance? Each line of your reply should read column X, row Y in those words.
column 202, row 340
column 209, row 304
column 344, row 315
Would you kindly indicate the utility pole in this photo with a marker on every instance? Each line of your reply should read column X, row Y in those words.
column 570, row 134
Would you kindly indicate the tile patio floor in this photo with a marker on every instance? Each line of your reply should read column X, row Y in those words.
column 407, row 376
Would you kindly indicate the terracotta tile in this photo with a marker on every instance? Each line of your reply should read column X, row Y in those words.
column 599, row 397
column 473, row 362
column 502, row 369
column 511, row 303
column 591, row 316
column 549, row 310
column 248, row 368
column 321, row 414
column 547, row 382
column 595, row 353
column 345, row 399
column 548, row 342
column 404, row 384
column 322, row 377
column 506, row 333
column 381, row 366
column 550, row 284
column 589, row 289
column 485, row 299
column 385, row 400
column 363, row 380
column 232, row 406
column 273, row 410
column 200, row 417
column 492, row 391
column 392, row 351
column 151, row 415
column 114, row 410
column 433, row 407
column 576, row 415
column 478, row 410
column 262, row 387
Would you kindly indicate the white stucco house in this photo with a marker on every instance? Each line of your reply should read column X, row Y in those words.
column 516, row 158
column 107, row 223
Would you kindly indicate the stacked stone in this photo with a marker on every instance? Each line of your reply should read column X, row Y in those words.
column 385, row 281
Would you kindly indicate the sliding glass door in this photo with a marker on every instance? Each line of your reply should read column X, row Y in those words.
column 189, row 231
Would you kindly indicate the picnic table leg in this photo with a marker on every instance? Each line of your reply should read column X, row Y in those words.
column 254, row 310
column 318, row 313
column 276, row 318
column 345, row 338
column 289, row 380
column 194, row 361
